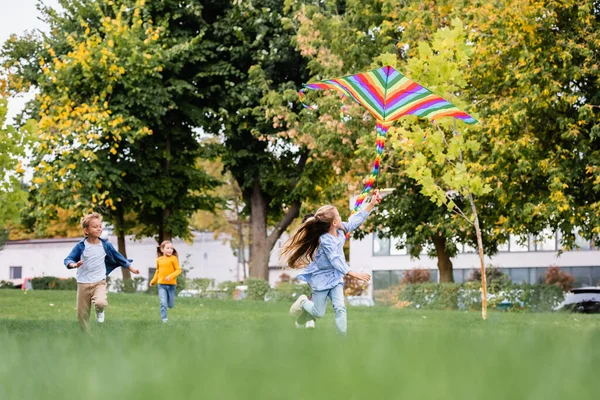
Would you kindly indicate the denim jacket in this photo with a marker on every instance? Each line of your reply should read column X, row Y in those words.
column 329, row 265
column 113, row 258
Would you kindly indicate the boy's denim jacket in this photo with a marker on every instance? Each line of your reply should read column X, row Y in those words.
column 113, row 258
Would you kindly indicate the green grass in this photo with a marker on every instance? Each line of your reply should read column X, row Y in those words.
column 249, row 350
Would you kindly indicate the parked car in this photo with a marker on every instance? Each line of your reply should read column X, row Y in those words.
column 583, row 300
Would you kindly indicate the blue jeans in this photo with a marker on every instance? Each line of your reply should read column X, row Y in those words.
column 316, row 307
column 166, row 295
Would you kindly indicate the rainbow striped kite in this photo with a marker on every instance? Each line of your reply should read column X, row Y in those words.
column 388, row 95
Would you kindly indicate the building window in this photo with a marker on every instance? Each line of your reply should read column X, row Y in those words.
column 381, row 245
column 518, row 243
column 15, row 272
column 394, row 251
column 519, row 275
column 582, row 243
column 503, row 246
column 545, row 241
column 458, row 275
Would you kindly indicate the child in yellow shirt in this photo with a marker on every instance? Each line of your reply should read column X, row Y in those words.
column 167, row 269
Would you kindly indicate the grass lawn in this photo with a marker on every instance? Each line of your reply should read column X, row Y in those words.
column 215, row 349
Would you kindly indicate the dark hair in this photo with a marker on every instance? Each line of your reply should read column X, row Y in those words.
column 307, row 216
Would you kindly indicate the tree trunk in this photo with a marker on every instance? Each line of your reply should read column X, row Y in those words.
column 261, row 243
column 242, row 248
column 444, row 262
column 259, row 259
column 121, row 247
column 164, row 232
column 481, row 259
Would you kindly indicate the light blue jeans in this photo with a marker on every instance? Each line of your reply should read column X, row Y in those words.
column 316, row 307
column 166, row 295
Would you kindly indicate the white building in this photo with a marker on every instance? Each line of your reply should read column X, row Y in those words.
column 212, row 258
column 204, row 257
column 522, row 263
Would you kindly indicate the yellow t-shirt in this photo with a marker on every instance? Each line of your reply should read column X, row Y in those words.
column 166, row 267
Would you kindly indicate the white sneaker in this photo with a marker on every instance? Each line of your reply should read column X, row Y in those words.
column 165, row 320
column 100, row 316
column 298, row 326
column 310, row 324
column 296, row 308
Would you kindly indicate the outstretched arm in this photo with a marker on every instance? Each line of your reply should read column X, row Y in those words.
column 357, row 219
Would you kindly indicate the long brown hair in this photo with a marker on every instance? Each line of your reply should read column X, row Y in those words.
column 299, row 250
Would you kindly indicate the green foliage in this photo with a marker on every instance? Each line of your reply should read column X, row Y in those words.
column 287, row 292
column 495, row 278
column 118, row 76
column 467, row 296
column 14, row 143
column 201, row 284
column 431, row 295
column 257, row 288
column 53, row 283
column 228, row 287
column 6, row 285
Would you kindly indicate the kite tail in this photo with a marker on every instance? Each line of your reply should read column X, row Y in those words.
column 381, row 129
column 372, row 179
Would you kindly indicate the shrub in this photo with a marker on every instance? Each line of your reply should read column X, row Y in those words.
column 417, row 275
column 496, row 279
column 441, row 296
column 6, row 285
column 389, row 296
column 555, row 276
column 53, row 283
column 257, row 288
column 201, row 284
column 467, row 296
column 286, row 291
column 228, row 287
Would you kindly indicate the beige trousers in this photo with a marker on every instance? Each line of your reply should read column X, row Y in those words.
column 86, row 294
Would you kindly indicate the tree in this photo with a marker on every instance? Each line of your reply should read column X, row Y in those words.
column 535, row 77
column 117, row 81
column 275, row 170
column 13, row 145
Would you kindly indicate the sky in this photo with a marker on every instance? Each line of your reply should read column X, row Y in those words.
column 18, row 16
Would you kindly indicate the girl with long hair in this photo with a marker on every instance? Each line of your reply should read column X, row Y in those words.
column 318, row 246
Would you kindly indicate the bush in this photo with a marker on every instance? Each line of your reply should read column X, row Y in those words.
column 6, row 285
column 228, row 287
column 387, row 297
column 287, row 291
column 496, row 279
column 53, row 283
column 417, row 275
column 201, row 284
column 257, row 288
column 555, row 276
column 467, row 296
column 440, row 296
